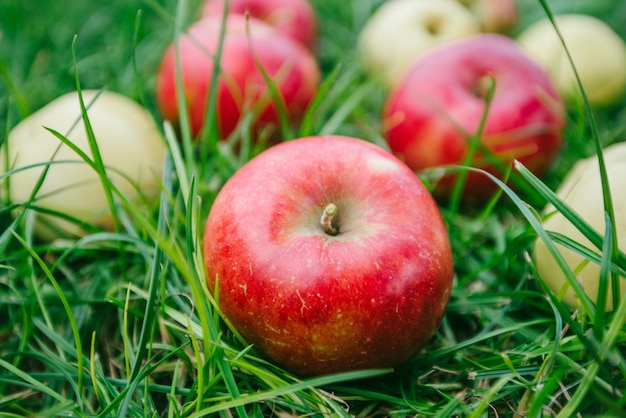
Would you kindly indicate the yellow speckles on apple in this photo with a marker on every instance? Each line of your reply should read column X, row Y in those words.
column 272, row 329
column 304, row 306
column 244, row 287
column 444, row 299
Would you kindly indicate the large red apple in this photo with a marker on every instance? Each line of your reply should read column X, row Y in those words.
column 429, row 117
column 294, row 18
column 250, row 47
column 328, row 254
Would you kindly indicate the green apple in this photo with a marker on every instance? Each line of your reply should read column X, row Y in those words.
column 400, row 31
column 598, row 53
column 581, row 189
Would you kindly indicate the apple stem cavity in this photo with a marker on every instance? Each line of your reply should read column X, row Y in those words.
column 484, row 87
column 327, row 219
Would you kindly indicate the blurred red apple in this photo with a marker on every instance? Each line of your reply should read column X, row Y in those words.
column 248, row 45
column 294, row 18
column 494, row 15
column 329, row 255
column 429, row 117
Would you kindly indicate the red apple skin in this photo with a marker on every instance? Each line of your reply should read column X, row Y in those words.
column 495, row 15
column 241, row 85
column 428, row 116
column 371, row 296
column 294, row 18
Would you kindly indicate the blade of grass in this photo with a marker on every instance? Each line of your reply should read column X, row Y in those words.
column 348, row 105
column 184, row 123
column 67, row 308
column 306, row 125
column 473, row 144
column 34, row 383
column 295, row 387
column 93, row 146
column 210, row 136
column 589, row 377
column 193, row 247
column 587, row 253
column 603, row 281
column 156, row 274
column 491, row 393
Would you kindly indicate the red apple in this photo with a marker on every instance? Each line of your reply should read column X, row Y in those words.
column 248, row 45
column 294, row 18
column 429, row 117
column 320, row 291
column 494, row 15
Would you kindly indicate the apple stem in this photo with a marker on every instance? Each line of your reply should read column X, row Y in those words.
column 327, row 219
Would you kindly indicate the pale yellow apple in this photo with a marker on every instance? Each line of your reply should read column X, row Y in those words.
column 400, row 31
column 581, row 189
column 597, row 51
column 129, row 142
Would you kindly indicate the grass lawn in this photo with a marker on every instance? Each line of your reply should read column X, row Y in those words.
column 119, row 323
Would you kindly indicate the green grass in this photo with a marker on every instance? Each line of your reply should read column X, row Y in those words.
column 120, row 323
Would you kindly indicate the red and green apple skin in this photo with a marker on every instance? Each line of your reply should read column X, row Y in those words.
column 294, row 18
column 370, row 296
column 429, row 117
column 249, row 45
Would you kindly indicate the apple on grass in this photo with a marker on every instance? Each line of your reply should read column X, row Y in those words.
column 329, row 255
column 429, row 117
column 494, row 15
column 598, row 53
column 581, row 190
column 250, row 49
column 400, row 31
column 294, row 18
column 129, row 144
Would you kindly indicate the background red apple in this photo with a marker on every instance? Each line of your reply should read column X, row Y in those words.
column 294, row 18
column 370, row 294
column 248, row 44
column 494, row 15
column 429, row 117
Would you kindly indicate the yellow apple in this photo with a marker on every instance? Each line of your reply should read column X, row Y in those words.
column 581, row 189
column 400, row 31
column 131, row 147
column 598, row 53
